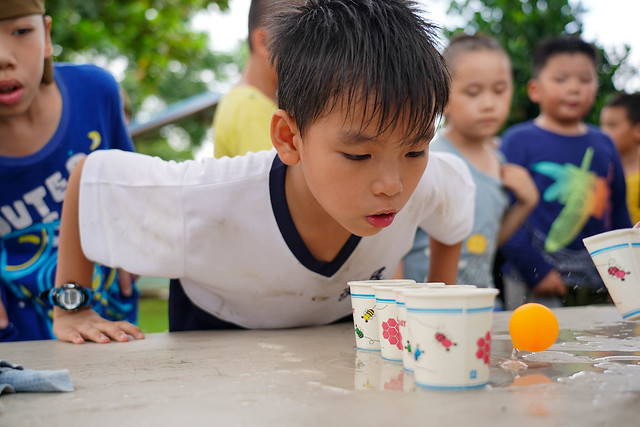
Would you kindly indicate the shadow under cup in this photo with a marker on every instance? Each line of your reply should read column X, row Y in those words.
column 616, row 255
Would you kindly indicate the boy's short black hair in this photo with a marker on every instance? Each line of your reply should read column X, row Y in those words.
column 376, row 53
column 460, row 43
column 564, row 43
column 630, row 102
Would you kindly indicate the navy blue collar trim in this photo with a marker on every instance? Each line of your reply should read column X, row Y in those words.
column 289, row 232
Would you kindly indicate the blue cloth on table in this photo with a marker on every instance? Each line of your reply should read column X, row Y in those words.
column 14, row 378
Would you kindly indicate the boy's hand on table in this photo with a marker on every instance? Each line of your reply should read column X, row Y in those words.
column 87, row 325
column 551, row 285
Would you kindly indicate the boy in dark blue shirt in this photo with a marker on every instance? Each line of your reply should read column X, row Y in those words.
column 577, row 172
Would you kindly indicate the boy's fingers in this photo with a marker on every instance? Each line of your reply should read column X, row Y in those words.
column 125, row 281
column 4, row 319
column 120, row 331
column 131, row 329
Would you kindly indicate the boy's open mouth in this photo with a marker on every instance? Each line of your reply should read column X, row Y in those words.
column 381, row 220
column 10, row 93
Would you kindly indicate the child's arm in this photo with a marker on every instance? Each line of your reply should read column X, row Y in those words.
column 73, row 266
column 550, row 285
column 443, row 262
column 517, row 179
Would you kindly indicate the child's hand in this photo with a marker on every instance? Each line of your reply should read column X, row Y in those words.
column 88, row 325
column 551, row 285
column 4, row 318
column 125, row 282
column 518, row 180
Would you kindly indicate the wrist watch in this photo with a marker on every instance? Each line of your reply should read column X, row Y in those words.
column 70, row 296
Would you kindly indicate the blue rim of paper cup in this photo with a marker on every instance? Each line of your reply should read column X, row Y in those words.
column 632, row 315
column 593, row 240
column 452, row 387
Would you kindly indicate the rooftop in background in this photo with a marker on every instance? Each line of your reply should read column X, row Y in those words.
column 202, row 104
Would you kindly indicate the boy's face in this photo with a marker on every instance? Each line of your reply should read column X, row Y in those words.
column 350, row 176
column 615, row 122
column 24, row 44
column 481, row 94
column 566, row 87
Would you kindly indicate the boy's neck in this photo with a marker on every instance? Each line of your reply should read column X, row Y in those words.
column 630, row 161
column 26, row 133
column 258, row 73
column 321, row 234
column 567, row 128
column 479, row 152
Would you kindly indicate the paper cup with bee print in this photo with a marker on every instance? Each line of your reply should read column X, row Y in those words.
column 616, row 255
column 450, row 332
column 363, row 304
column 390, row 325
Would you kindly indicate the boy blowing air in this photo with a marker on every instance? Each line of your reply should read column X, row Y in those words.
column 577, row 172
column 270, row 239
column 50, row 118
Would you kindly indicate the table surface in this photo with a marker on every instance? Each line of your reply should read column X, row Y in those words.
column 314, row 376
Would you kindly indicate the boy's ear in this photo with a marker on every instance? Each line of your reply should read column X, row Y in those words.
column 285, row 137
column 259, row 42
column 533, row 91
column 48, row 45
column 636, row 132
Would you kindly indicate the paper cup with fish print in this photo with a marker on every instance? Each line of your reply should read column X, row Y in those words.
column 616, row 255
column 450, row 332
column 363, row 304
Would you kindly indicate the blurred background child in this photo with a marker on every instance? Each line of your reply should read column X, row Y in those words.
column 620, row 119
column 50, row 118
column 478, row 107
column 242, row 120
column 578, row 174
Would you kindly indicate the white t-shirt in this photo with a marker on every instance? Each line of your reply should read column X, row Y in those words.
column 223, row 228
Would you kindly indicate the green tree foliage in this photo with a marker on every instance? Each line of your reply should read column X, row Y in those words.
column 520, row 26
column 164, row 58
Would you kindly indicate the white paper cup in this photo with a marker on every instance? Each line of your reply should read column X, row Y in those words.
column 390, row 335
column 407, row 355
column 616, row 255
column 450, row 332
column 363, row 304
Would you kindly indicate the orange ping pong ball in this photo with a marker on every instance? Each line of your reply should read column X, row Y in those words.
column 533, row 327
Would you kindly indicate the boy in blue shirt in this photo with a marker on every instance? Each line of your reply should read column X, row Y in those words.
column 50, row 118
column 270, row 239
column 577, row 172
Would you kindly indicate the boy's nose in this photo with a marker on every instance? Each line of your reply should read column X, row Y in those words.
column 388, row 183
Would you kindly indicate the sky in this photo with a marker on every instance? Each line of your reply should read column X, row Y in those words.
column 609, row 23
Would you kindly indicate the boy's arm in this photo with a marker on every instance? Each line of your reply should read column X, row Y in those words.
column 443, row 262
column 518, row 249
column 517, row 179
column 73, row 266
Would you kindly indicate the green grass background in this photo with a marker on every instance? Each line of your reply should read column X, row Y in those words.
column 153, row 306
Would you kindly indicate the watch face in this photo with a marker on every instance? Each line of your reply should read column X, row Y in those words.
column 70, row 299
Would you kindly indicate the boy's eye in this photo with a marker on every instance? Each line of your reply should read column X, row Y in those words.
column 420, row 153
column 21, row 31
column 356, row 156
